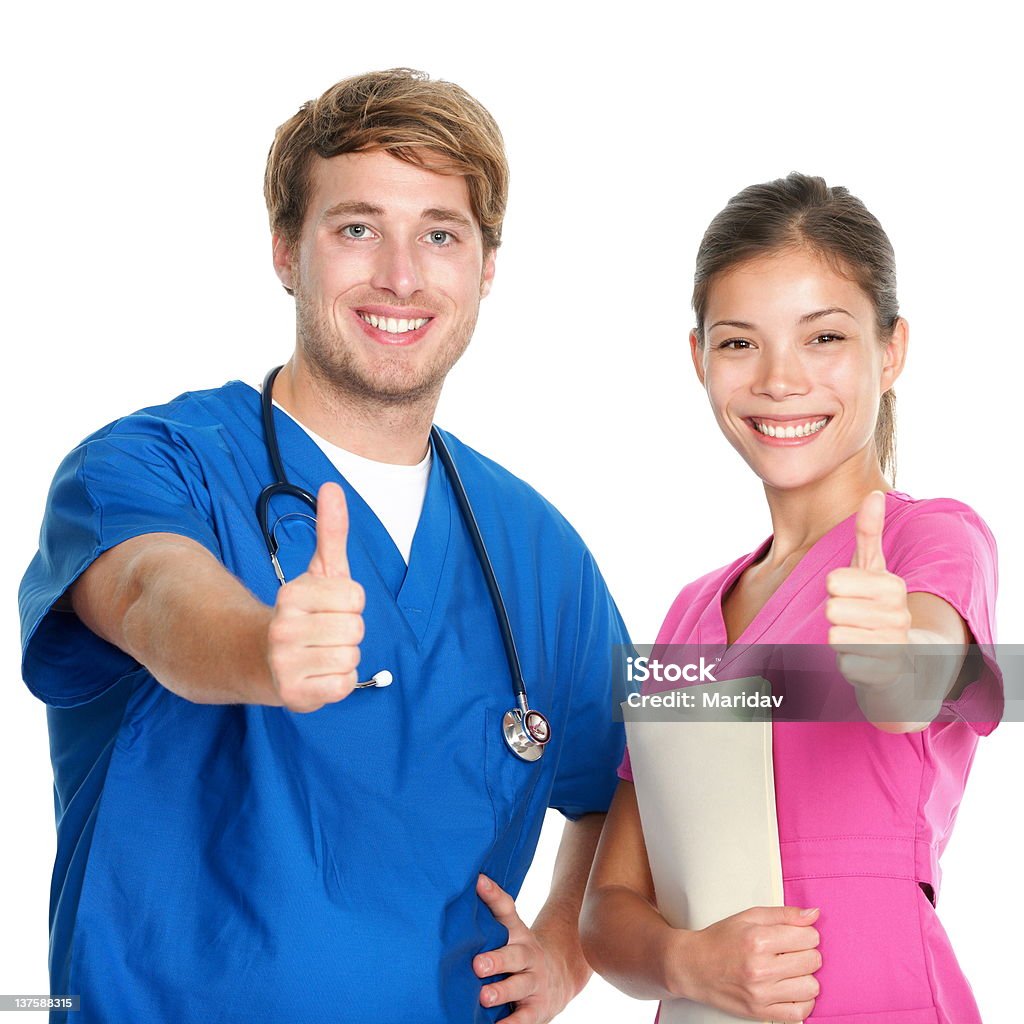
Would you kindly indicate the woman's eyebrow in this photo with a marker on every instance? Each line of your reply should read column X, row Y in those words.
column 807, row 317
column 742, row 324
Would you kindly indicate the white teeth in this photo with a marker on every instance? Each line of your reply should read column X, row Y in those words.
column 792, row 431
column 392, row 325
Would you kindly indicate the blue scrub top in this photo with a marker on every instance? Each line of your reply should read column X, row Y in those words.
column 243, row 863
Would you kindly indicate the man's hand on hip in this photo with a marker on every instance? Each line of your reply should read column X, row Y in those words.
column 538, row 982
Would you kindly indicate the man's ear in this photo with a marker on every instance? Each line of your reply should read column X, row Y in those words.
column 284, row 262
column 488, row 275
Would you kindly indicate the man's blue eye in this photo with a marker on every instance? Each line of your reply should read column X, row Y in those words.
column 355, row 230
column 439, row 237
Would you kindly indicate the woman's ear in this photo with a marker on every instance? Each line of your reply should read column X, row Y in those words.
column 697, row 354
column 895, row 353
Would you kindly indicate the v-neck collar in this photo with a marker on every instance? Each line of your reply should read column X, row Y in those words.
column 712, row 629
column 412, row 587
column 419, row 588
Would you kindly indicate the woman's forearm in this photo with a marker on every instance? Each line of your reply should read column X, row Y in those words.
column 913, row 701
column 630, row 944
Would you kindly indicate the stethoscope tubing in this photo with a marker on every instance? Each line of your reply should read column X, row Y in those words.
column 282, row 486
column 469, row 517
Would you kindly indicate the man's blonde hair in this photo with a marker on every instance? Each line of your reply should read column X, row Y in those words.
column 432, row 124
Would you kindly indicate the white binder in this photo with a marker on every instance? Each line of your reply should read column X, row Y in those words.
column 705, row 787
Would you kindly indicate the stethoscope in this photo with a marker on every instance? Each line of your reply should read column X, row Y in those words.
column 526, row 730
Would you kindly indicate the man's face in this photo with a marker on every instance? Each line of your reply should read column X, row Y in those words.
column 388, row 273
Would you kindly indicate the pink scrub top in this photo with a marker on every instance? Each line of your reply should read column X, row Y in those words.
column 864, row 815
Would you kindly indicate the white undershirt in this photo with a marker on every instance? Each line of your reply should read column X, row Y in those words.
column 395, row 494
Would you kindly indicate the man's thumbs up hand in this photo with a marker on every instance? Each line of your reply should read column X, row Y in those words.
column 317, row 626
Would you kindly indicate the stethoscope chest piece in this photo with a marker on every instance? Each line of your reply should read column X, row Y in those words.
column 526, row 733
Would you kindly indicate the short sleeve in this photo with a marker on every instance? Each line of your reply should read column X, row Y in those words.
column 626, row 767
column 592, row 747
column 944, row 547
column 132, row 478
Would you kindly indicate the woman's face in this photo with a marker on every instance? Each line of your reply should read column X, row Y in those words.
column 794, row 367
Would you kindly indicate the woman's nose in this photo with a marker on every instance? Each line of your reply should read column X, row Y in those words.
column 780, row 374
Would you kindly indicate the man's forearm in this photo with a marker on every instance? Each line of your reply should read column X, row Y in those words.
column 173, row 607
column 557, row 924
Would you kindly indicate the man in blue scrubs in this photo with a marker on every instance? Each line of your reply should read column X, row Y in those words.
column 242, row 835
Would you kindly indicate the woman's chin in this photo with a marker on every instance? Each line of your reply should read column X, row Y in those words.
column 788, row 478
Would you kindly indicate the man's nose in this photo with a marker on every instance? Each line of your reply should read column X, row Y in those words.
column 397, row 269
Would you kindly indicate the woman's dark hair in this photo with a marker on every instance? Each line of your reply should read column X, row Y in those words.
column 801, row 211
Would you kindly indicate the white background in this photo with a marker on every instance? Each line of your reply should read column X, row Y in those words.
column 137, row 265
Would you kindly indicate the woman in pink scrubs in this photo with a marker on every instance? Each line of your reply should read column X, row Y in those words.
column 798, row 343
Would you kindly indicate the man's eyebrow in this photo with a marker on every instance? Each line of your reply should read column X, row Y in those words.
column 352, row 208
column 439, row 213
column 818, row 313
column 355, row 208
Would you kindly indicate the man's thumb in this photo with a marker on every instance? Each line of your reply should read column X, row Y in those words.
column 331, row 555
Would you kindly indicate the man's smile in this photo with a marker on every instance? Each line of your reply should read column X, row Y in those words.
column 394, row 326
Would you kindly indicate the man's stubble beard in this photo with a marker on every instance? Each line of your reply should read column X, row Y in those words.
column 392, row 382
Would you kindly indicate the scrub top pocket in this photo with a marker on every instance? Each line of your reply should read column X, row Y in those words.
column 511, row 783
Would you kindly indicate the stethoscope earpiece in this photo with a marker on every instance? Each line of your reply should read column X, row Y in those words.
column 378, row 679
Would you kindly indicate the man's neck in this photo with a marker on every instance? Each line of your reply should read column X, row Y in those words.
column 385, row 432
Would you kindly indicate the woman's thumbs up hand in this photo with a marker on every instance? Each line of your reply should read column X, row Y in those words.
column 867, row 608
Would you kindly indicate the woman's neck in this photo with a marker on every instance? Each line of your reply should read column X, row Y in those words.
column 802, row 515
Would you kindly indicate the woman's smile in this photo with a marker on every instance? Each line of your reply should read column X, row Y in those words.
column 788, row 430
